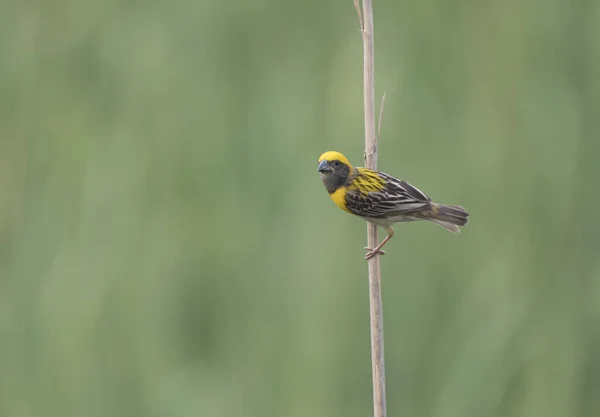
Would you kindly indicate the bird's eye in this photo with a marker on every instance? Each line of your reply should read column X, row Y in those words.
column 336, row 163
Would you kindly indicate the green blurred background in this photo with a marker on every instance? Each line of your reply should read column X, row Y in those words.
column 167, row 247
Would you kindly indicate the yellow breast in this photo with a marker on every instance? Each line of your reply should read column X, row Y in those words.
column 339, row 198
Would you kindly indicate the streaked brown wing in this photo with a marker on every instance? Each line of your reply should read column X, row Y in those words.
column 397, row 197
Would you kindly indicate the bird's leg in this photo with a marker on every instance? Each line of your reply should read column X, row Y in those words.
column 381, row 252
column 377, row 250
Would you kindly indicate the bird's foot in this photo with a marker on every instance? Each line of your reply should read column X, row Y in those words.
column 372, row 253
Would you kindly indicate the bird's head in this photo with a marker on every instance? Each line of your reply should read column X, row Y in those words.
column 334, row 169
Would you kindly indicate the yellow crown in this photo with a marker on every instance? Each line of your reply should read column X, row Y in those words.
column 332, row 156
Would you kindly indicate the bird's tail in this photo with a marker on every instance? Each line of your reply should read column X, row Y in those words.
column 449, row 217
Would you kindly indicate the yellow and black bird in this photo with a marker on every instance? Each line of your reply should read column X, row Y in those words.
column 382, row 199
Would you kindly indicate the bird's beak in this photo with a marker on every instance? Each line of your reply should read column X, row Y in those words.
column 324, row 166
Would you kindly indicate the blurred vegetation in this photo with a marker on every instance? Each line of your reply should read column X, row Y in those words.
column 167, row 248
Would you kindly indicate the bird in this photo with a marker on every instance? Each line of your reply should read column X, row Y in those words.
column 382, row 199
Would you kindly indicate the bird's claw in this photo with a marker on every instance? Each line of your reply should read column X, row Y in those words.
column 372, row 253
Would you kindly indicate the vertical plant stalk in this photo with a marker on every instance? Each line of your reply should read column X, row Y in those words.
column 376, row 307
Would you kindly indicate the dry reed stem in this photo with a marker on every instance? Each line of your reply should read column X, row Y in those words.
column 376, row 308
